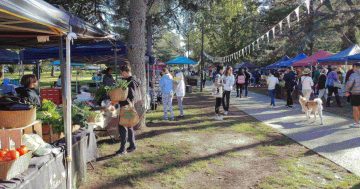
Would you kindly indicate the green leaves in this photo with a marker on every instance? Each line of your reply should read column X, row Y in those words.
column 121, row 83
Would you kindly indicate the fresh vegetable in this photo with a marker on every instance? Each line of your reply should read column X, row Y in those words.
column 12, row 154
column 2, row 153
column 22, row 150
column 121, row 83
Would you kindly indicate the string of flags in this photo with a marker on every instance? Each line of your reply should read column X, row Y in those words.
column 256, row 43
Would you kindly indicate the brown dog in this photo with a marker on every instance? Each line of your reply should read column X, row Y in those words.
column 314, row 107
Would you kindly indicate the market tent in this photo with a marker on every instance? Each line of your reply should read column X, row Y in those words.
column 57, row 63
column 181, row 60
column 290, row 62
column 8, row 57
column 275, row 65
column 354, row 58
column 35, row 22
column 78, row 51
column 341, row 57
column 245, row 65
column 313, row 59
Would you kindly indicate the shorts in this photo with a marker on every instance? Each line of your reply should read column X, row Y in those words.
column 355, row 100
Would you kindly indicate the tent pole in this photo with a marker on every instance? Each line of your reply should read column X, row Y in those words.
column 38, row 75
column 115, row 62
column 67, row 108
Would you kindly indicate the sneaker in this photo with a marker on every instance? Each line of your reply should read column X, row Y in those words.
column 226, row 113
column 172, row 119
column 130, row 149
column 120, row 152
column 355, row 125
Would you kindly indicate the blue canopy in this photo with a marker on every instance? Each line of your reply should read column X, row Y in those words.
column 8, row 57
column 354, row 58
column 181, row 60
column 342, row 56
column 103, row 48
column 274, row 65
column 288, row 63
column 57, row 63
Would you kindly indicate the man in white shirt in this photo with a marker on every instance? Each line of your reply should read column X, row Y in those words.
column 271, row 82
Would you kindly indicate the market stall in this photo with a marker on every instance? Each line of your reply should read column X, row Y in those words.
column 275, row 65
column 340, row 58
column 313, row 59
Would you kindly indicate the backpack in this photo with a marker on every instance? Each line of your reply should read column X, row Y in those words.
column 240, row 79
column 137, row 92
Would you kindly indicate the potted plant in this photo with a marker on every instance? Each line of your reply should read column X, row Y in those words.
column 51, row 118
column 119, row 91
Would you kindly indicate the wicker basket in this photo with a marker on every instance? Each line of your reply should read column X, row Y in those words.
column 118, row 94
column 16, row 119
column 9, row 169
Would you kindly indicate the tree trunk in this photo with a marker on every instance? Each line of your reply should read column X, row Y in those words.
column 52, row 71
column 136, row 50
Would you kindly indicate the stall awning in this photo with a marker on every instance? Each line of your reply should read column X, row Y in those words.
column 275, row 65
column 78, row 51
column 354, row 58
column 181, row 60
column 341, row 57
column 313, row 59
column 35, row 22
column 8, row 57
column 73, row 64
column 290, row 62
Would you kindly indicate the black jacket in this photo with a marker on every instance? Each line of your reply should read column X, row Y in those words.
column 290, row 80
column 132, row 85
column 247, row 77
column 322, row 81
column 29, row 95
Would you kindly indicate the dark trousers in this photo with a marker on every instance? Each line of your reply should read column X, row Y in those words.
column 126, row 134
column 203, row 82
column 239, row 89
column 289, row 99
column 331, row 91
column 246, row 89
column 226, row 100
column 217, row 105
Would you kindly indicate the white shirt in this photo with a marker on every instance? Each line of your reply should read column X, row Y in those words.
column 180, row 87
column 271, row 82
column 306, row 82
column 229, row 82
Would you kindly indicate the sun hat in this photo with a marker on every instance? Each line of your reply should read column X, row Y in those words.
column 306, row 71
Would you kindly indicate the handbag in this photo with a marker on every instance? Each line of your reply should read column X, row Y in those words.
column 129, row 116
column 337, row 84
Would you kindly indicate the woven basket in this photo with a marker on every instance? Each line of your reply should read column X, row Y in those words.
column 118, row 94
column 9, row 169
column 16, row 119
column 128, row 117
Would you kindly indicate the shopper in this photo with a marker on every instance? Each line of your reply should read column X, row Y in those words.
column 353, row 90
column 166, row 87
column 180, row 91
column 333, row 84
column 28, row 92
column 306, row 83
column 108, row 79
column 321, row 86
column 272, row 81
column 347, row 77
column 127, row 134
column 247, row 81
column 218, row 91
column 315, row 77
column 229, row 82
column 240, row 82
column 290, row 82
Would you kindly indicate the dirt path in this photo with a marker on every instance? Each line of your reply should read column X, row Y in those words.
column 198, row 152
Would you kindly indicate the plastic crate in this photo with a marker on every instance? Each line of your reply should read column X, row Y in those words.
column 51, row 94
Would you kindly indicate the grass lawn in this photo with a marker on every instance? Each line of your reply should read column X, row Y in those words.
column 198, row 152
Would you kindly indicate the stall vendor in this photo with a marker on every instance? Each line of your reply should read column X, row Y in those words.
column 27, row 91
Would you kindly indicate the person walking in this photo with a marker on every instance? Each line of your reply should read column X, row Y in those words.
column 306, row 83
column 321, row 86
column 166, row 86
column 333, row 84
column 180, row 91
column 315, row 77
column 127, row 134
column 290, row 82
column 271, row 82
column 229, row 81
column 247, row 81
column 240, row 82
column 353, row 90
column 218, row 91
column 347, row 77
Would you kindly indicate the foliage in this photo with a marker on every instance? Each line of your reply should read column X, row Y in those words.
column 121, row 83
column 50, row 114
column 100, row 94
column 80, row 113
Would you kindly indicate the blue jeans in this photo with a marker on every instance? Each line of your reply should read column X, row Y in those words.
column 272, row 96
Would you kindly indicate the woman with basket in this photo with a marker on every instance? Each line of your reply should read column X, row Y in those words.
column 127, row 131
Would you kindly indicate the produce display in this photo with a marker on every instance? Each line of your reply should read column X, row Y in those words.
column 9, row 155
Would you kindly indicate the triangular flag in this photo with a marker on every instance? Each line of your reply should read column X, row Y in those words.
column 267, row 35
column 258, row 43
column 307, row 3
column 273, row 31
column 280, row 26
column 288, row 18
column 321, row 1
column 297, row 12
column 253, row 44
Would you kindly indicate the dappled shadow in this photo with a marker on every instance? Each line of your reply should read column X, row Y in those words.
column 338, row 146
